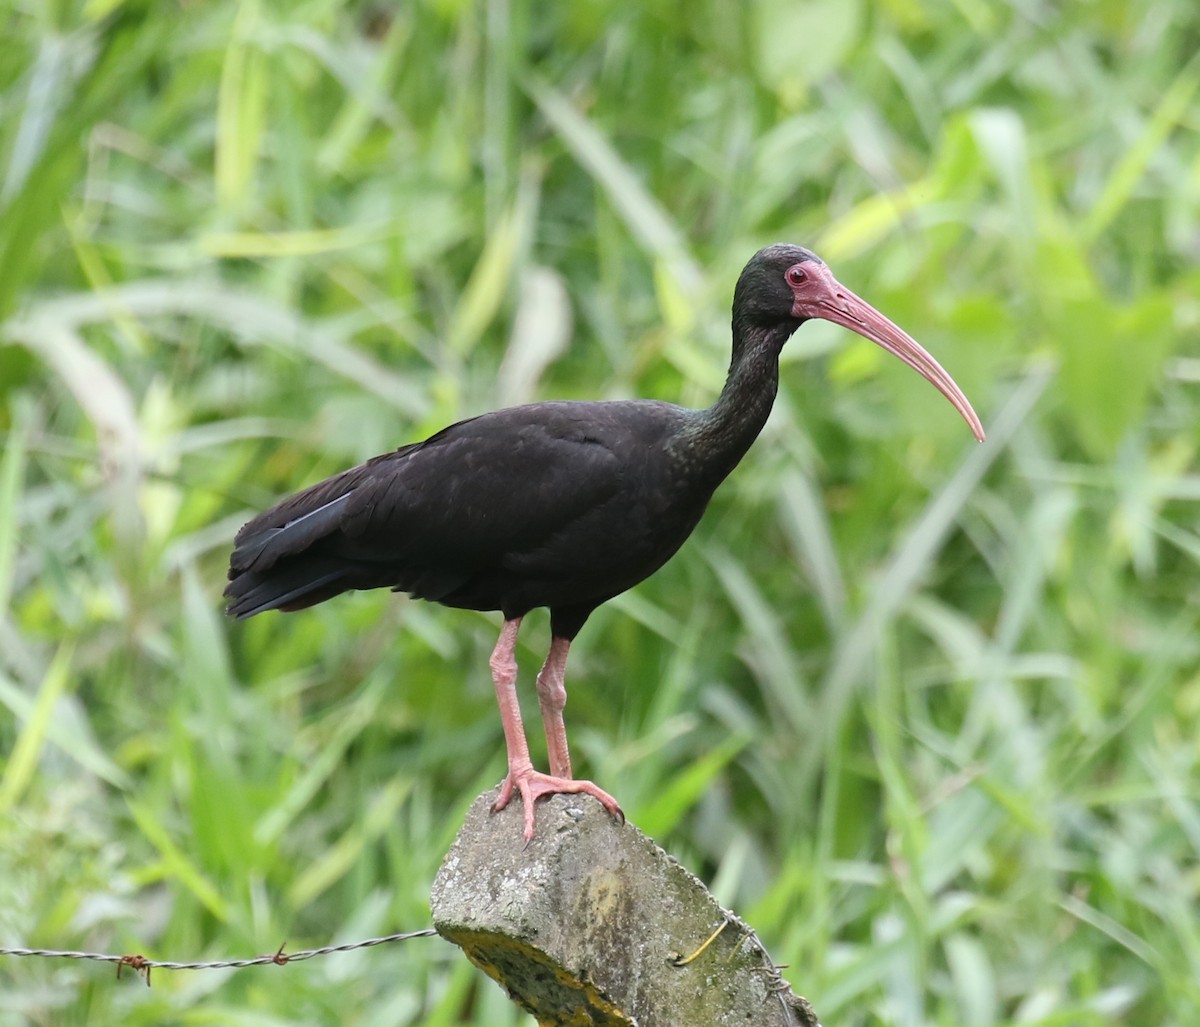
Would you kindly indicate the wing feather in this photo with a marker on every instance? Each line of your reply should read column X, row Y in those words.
column 492, row 492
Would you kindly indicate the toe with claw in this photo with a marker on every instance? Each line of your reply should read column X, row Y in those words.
column 533, row 784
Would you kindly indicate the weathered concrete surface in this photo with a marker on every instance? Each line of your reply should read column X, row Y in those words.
column 587, row 924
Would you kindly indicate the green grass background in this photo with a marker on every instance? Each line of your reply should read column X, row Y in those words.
column 925, row 712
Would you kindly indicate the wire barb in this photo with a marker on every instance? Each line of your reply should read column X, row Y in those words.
column 138, row 962
column 141, row 965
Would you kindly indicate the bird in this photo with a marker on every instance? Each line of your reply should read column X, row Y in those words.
column 559, row 504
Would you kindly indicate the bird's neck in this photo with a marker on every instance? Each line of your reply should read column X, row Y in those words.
column 720, row 435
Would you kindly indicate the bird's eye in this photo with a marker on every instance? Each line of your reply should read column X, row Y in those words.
column 796, row 274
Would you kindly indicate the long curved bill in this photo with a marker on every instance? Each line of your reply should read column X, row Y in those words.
column 839, row 305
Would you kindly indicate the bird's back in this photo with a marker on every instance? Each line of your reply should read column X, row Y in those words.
column 552, row 504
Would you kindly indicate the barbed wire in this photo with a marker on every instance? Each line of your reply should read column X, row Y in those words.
column 140, row 964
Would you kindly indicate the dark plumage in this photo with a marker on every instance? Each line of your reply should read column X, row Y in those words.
column 525, row 507
column 562, row 505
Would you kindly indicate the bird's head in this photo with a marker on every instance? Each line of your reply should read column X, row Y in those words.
column 787, row 285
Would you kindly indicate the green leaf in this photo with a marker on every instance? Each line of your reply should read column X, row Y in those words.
column 1111, row 359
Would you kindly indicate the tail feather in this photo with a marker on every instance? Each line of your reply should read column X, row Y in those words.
column 258, row 547
column 281, row 566
column 291, row 587
column 309, row 546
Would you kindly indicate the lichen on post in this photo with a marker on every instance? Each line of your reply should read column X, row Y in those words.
column 592, row 923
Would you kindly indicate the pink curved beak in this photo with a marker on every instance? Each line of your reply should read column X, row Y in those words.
column 830, row 300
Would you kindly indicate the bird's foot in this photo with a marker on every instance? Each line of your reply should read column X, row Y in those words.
column 533, row 784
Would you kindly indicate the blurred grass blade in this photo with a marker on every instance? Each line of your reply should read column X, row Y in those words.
column 318, row 768
column 176, row 863
column 251, row 318
column 643, row 215
column 540, row 333
column 12, row 473
column 1046, row 532
column 107, row 403
column 974, row 980
column 1118, row 932
column 68, row 728
column 804, row 515
column 490, row 281
column 205, row 655
column 367, row 100
column 674, row 800
column 48, row 81
column 1001, row 136
column 1174, row 108
column 304, row 243
column 22, row 762
column 100, row 393
column 241, row 111
column 326, row 868
column 869, row 221
column 769, row 655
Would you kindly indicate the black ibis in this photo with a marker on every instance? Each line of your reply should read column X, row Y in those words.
column 560, row 504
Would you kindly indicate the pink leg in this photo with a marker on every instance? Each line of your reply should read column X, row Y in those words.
column 552, row 696
column 521, row 775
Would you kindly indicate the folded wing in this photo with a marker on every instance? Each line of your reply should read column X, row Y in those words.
column 486, row 495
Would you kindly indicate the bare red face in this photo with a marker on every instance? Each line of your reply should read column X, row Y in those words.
column 818, row 294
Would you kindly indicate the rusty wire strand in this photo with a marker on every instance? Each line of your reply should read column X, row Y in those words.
column 143, row 965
